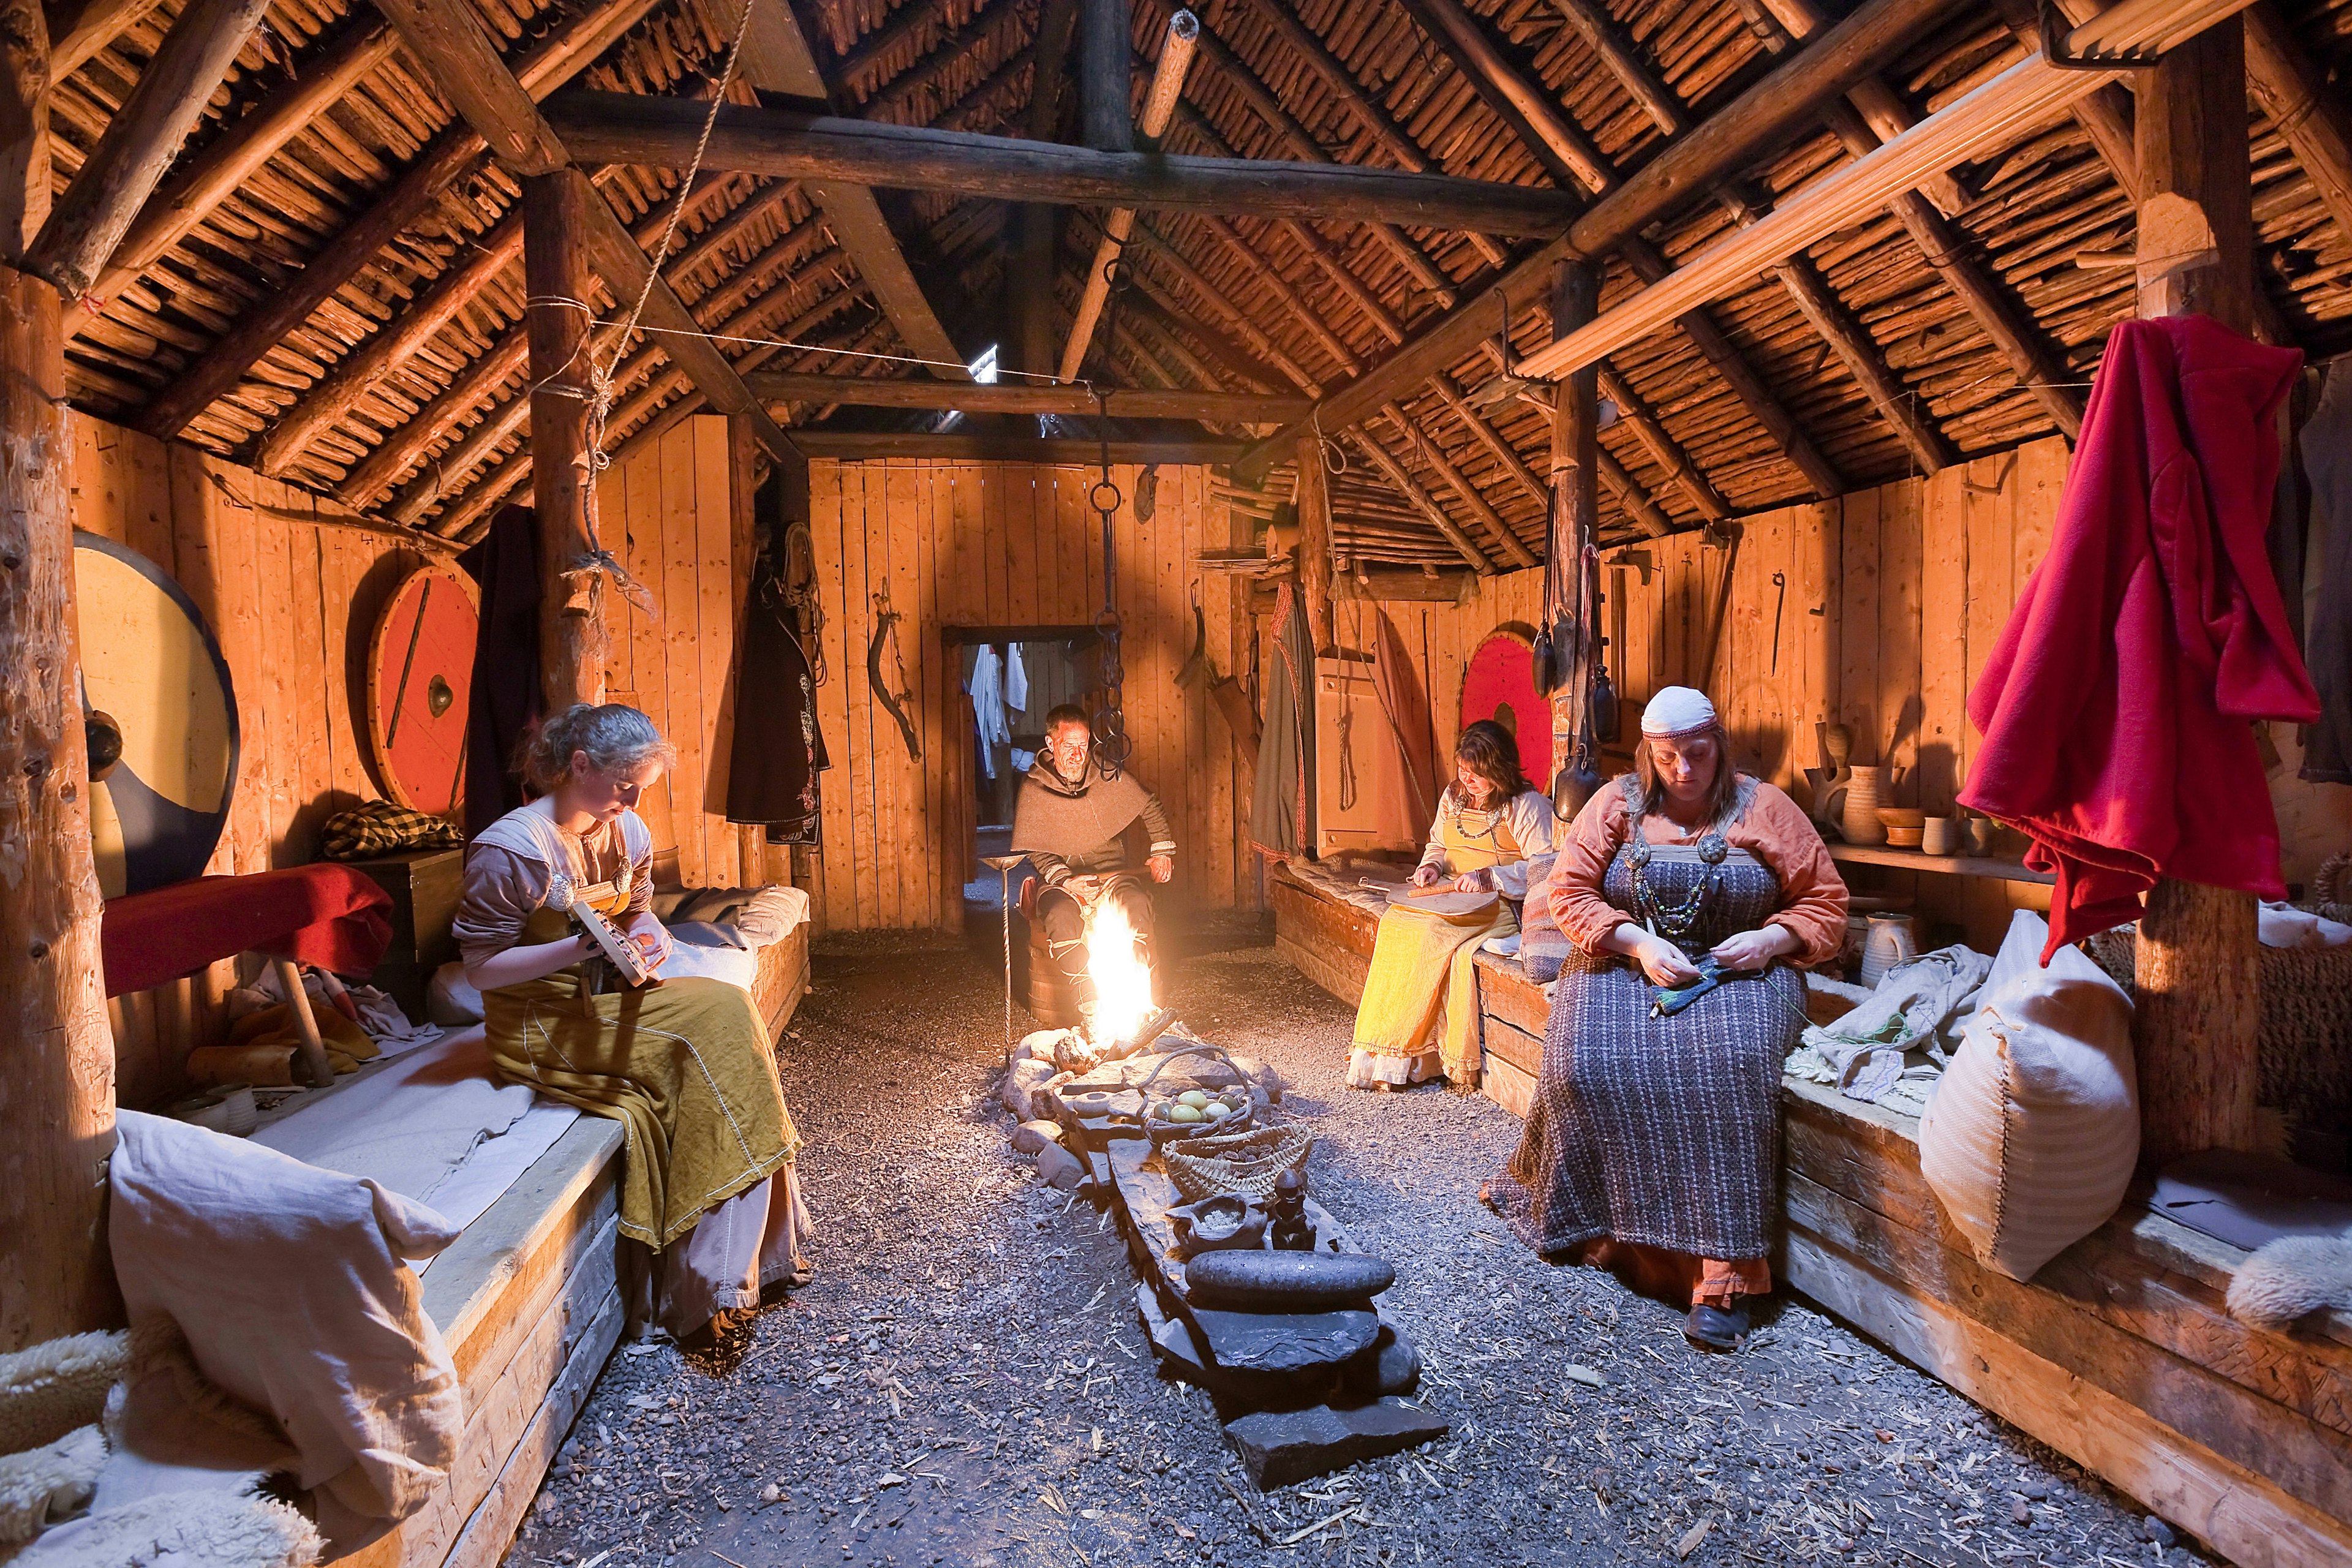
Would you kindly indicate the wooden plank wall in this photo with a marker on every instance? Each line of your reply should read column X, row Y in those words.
column 1007, row 544
column 291, row 585
column 678, row 515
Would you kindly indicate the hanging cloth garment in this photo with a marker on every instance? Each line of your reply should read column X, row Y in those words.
column 1406, row 709
column 771, row 776
column 504, row 697
column 2327, row 459
column 985, row 687
column 1282, row 809
column 2116, row 706
column 1016, row 679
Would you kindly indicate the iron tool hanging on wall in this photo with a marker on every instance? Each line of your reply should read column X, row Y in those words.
column 886, row 621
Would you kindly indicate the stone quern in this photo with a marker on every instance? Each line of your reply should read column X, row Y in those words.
column 1280, row 1447
column 1262, row 1281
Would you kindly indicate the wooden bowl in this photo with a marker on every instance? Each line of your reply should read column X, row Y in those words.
column 1905, row 837
column 1908, row 818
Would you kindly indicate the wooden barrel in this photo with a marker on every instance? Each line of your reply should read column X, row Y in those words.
column 1043, row 989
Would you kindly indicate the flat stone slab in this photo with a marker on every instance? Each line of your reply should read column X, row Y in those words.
column 1032, row 1136
column 1280, row 1447
column 1286, row 1341
column 1244, row 1280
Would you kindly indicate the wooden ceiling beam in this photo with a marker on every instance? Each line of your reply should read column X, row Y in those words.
column 632, row 128
column 2105, row 116
column 1726, row 141
column 776, row 59
column 400, row 447
column 2025, row 96
column 1327, row 261
column 233, row 157
column 1522, row 103
column 1643, row 420
column 395, row 340
column 990, row 20
column 1124, row 403
column 1632, row 499
column 1238, row 319
column 457, row 53
column 1434, row 455
column 1291, row 300
column 1854, row 349
column 1236, row 74
column 77, row 32
column 1821, row 476
column 87, row 223
column 2308, row 110
column 1881, row 107
column 1614, row 49
column 1423, row 501
column 1368, row 112
column 1171, row 316
column 554, row 60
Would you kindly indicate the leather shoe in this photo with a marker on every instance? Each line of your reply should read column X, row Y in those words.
column 1715, row 1328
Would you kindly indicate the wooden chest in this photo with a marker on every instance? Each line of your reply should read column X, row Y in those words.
column 423, row 886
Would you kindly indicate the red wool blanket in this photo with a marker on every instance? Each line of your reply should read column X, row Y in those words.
column 2117, row 707
column 331, row 916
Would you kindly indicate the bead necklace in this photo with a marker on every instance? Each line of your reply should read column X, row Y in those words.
column 1493, row 815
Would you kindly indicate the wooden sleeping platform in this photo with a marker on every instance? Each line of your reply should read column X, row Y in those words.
column 2120, row 1353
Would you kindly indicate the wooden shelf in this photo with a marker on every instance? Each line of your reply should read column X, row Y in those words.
column 1952, row 865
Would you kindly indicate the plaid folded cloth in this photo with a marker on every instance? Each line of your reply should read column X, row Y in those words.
column 380, row 827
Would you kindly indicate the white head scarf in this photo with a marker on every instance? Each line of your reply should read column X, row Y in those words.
column 1676, row 710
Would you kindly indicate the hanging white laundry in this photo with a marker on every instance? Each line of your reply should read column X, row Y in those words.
column 1016, row 679
column 986, row 685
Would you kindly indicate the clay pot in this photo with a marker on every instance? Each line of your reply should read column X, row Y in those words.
column 1941, row 836
column 1864, row 795
column 1892, row 942
column 1980, row 832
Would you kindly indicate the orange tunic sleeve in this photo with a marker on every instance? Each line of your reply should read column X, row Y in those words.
column 1585, row 848
column 1777, row 831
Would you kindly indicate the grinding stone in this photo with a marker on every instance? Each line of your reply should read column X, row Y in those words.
column 1284, row 1341
column 1285, row 1281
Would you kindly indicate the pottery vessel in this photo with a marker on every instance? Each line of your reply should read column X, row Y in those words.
column 1892, row 942
column 1864, row 793
column 1940, row 836
column 1980, row 832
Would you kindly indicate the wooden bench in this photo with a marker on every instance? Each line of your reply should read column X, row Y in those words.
column 527, row 1300
column 2120, row 1353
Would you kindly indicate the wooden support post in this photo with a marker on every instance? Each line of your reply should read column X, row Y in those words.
column 1576, row 503
column 1315, row 542
column 2194, row 1026
column 556, row 282
column 57, row 1073
column 311, row 1047
column 1106, row 82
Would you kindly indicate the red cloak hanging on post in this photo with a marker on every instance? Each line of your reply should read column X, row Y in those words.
column 2117, row 707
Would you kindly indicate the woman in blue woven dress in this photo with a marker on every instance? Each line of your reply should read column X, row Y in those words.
column 1653, row 1140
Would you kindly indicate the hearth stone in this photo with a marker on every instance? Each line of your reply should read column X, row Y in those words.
column 1400, row 1362
column 1238, row 1390
column 1032, row 1136
column 1262, row 1281
column 1262, row 1075
column 1285, row 1342
column 1061, row 1169
column 1021, row 1081
column 1279, row 1447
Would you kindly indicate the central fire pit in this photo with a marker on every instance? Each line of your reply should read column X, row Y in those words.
column 1248, row 1286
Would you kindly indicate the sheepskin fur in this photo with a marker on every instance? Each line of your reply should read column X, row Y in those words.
column 2290, row 1276
column 182, row 1529
column 48, row 1390
column 47, row 1485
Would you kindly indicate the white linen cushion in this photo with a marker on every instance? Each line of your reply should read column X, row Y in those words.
column 288, row 1284
column 2031, row 1136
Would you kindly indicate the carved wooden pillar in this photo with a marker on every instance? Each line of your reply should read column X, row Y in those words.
column 556, row 279
column 1315, row 542
column 2198, row 979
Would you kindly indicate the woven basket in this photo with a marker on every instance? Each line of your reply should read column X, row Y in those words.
column 1243, row 1162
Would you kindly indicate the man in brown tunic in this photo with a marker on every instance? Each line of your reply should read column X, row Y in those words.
column 1070, row 824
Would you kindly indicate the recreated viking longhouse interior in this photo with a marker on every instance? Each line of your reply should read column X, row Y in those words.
column 992, row 781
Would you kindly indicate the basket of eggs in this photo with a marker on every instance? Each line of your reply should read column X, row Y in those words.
column 1192, row 1112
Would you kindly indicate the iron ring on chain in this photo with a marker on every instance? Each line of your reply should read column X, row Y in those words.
column 1094, row 497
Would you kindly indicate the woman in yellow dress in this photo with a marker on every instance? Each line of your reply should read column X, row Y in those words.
column 1490, row 821
column 710, row 1204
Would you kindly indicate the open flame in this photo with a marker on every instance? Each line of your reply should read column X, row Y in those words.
column 1122, row 981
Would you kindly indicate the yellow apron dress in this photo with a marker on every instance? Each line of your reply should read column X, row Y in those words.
column 683, row 1066
column 1422, row 960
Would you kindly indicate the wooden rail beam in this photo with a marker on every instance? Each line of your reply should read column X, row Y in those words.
column 77, row 32
column 1434, row 455
column 1518, row 98
column 563, row 54
column 1130, row 403
column 448, row 36
column 87, row 224
column 1308, row 45
column 1236, row 74
column 1423, row 501
column 1640, row 419
column 1876, row 33
column 234, row 156
column 776, row 59
column 632, row 128
column 2308, row 111
column 1829, row 318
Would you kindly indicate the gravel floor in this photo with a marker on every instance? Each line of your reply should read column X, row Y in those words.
column 966, row 1382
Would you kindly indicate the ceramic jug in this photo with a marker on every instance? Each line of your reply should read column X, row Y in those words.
column 1865, row 792
column 1890, row 945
